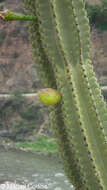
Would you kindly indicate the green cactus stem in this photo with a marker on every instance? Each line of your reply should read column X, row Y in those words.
column 61, row 44
column 60, row 37
column 8, row 15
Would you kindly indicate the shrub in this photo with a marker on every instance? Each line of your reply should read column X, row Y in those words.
column 32, row 112
column 98, row 15
column 9, row 41
column 1, row 7
column 104, row 92
column 15, row 54
column 2, row 36
column 15, row 31
column 2, row 1
column 17, row 101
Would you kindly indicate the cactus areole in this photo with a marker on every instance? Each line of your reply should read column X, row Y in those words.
column 60, row 38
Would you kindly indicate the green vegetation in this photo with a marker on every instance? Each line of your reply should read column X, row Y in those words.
column 2, row 1
column 98, row 15
column 24, row 34
column 21, row 118
column 15, row 54
column 2, row 36
column 1, row 7
column 9, row 41
column 103, row 83
column 17, row 100
column 42, row 144
column 104, row 92
column 15, row 32
column 8, row 15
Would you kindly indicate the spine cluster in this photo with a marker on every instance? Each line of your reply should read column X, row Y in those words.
column 60, row 39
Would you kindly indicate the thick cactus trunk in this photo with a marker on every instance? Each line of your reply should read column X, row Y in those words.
column 61, row 46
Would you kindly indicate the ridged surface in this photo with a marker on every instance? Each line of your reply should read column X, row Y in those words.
column 98, row 98
column 61, row 37
column 43, row 65
column 83, row 28
column 88, row 111
column 49, row 40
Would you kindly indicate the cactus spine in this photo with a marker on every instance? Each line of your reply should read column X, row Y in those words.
column 61, row 46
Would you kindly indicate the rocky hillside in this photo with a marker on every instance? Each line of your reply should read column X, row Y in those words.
column 17, row 69
column 99, row 54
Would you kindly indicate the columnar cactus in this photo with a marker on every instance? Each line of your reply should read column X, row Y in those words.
column 60, row 38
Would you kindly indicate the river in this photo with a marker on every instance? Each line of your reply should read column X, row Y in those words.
column 27, row 171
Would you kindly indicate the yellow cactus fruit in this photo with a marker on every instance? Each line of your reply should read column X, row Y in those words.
column 49, row 96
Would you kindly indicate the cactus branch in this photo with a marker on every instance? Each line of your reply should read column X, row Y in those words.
column 8, row 15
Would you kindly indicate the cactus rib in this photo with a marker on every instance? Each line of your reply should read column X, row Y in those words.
column 61, row 37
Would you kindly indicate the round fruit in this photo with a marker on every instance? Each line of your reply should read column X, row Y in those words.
column 49, row 96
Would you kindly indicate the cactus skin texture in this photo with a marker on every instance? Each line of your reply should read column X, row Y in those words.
column 60, row 39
